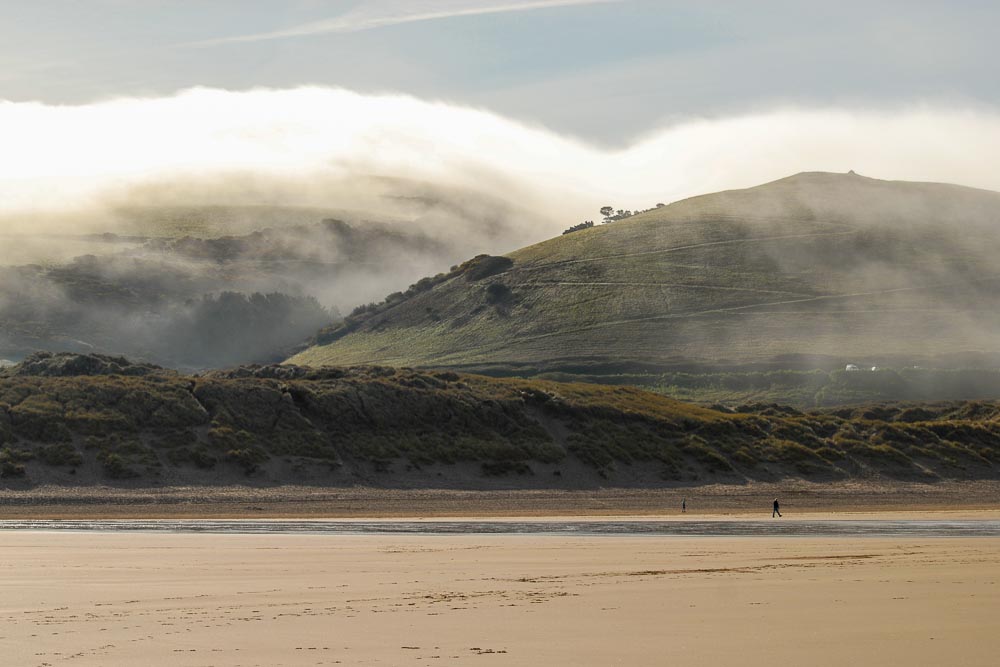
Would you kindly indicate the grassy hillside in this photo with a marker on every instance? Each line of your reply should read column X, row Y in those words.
column 78, row 420
column 834, row 266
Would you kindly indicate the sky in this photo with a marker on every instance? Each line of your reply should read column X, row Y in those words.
column 606, row 72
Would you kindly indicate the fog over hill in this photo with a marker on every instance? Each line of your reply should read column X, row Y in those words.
column 192, row 302
column 86, row 192
column 834, row 266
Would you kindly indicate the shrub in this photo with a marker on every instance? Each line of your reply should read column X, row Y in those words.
column 12, row 460
column 498, row 293
column 745, row 457
column 40, row 420
column 6, row 432
column 115, row 466
column 590, row 453
column 831, row 454
column 791, row 452
column 882, row 453
column 249, row 458
column 484, row 266
column 61, row 454
column 11, row 469
column 116, row 454
column 200, row 456
column 708, row 457
column 502, row 468
column 576, row 228
column 175, row 438
column 226, row 438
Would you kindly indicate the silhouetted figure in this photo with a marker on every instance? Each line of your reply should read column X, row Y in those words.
column 684, row 505
column 776, row 509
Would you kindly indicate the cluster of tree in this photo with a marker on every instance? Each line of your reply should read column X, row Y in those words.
column 609, row 214
column 205, row 331
column 229, row 328
column 612, row 215
column 330, row 240
column 583, row 225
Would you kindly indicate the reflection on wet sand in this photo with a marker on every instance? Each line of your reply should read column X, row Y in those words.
column 774, row 528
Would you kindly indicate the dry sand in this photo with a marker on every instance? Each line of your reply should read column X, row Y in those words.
column 226, row 600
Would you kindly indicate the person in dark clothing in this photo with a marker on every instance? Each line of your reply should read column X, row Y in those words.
column 684, row 505
column 776, row 509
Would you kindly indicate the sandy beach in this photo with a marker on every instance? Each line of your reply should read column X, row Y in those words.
column 228, row 600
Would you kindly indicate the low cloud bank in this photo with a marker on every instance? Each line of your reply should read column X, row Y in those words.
column 326, row 147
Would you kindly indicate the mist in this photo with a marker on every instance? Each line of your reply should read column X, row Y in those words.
column 130, row 218
column 323, row 147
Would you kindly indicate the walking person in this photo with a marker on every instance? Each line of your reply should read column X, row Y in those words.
column 684, row 505
column 776, row 510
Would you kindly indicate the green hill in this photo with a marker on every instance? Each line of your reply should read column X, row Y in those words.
column 812, row 271
column 88, row 419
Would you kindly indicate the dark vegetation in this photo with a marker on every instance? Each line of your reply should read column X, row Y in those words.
column 327, row 241
column 231, row 328
column 68, row 419
column 173, row 328
column 576, row 228
column 198, row 303
column 609, row 215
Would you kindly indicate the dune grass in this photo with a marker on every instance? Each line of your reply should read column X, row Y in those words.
column 285, row 424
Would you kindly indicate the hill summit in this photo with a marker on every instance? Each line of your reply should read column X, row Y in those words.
column 853, row 269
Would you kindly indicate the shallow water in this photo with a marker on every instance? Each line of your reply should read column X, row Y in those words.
column 771, row 528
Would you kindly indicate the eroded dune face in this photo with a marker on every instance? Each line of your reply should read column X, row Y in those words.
column 81, row 419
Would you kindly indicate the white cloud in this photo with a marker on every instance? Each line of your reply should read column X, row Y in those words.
column 382, row 13
column 73, row 157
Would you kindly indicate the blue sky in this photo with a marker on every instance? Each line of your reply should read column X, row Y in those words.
column 606, row 71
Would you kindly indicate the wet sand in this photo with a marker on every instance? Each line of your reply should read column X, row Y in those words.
column 877, row 499
column 226, row 600
column 578, row 527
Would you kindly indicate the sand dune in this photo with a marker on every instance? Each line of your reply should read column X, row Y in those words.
column 107, row 599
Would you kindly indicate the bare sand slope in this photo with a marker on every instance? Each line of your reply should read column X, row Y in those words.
column 113, row 599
